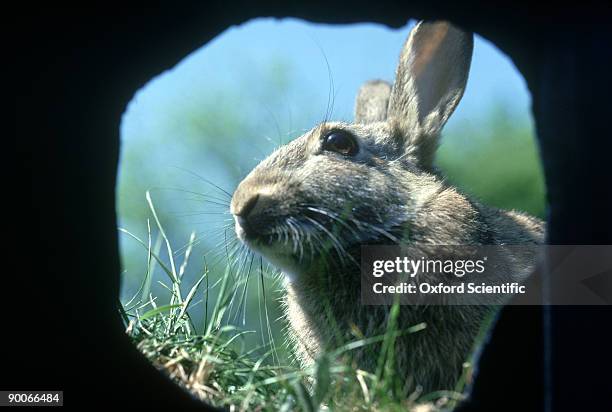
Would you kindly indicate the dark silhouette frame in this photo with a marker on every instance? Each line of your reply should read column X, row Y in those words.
column 79, row 67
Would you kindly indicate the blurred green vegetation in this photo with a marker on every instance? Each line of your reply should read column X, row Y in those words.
column 496, row 160
column 187, row 151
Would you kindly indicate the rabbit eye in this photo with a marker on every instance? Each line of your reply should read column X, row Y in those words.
column 341, row 142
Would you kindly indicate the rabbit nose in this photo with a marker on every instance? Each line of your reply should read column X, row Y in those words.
column 246, row 216
column 247, row 207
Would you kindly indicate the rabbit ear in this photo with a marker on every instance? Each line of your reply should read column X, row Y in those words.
column 430, row 80
column 372, row 102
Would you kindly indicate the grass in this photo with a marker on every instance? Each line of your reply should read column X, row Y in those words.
column 210, row 359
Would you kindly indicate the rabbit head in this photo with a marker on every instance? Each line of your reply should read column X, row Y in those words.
column 340, row 185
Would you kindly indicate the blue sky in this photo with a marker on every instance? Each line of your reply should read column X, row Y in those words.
column 240, row 56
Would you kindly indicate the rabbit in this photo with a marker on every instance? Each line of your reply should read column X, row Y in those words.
column 309, row 206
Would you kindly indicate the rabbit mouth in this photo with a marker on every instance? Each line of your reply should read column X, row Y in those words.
column 296, row 245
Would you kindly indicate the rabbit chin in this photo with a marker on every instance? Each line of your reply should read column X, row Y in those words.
column 281, row 256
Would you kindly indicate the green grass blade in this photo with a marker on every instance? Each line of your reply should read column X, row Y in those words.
column 158, row 310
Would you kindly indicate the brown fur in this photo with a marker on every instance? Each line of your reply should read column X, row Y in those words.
column 309, row 210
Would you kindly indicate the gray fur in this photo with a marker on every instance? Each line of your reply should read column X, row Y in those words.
column 309, row 198
column 372, row 102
